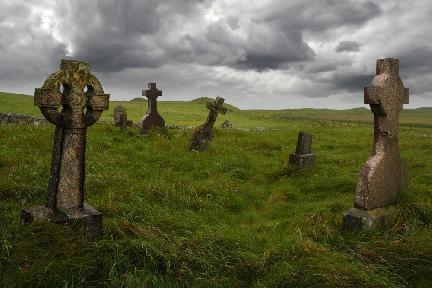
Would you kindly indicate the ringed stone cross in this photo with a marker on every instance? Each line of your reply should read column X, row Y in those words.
column 152, row 119
column 72, row 99
column 384, row 174
column 204, row 133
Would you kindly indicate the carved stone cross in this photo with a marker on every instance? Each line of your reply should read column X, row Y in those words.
column 386, row 97
column 204, row 133
column 384, row 175
column 72, row 99
column 152, row 119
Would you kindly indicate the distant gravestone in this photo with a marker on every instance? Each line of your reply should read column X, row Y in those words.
column 384, row 175
column 303, row 157
column 152, row 119
column 81, row 99
column 204, row 133
column 226, row 125
column 120, row 117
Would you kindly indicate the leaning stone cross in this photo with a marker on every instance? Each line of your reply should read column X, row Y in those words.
column 72, row 99
column 204, row 133
column 152, row 119
column 384, row 175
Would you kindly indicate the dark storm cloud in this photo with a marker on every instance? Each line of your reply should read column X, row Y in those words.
column 275, row 49
column 26, row 49
column 348, row 46
column 319, row 16
column 416, row 67
column 418, row 59
column 352, row 82
column 252, row 50
column 275, row 38
column 115, row 35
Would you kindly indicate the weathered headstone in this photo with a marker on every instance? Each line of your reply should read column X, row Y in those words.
column 120, row 117
column 72, row 99
column 152, row 119
column 204, row 133
column 303, row 157
column 384, row 175
column 226, row 125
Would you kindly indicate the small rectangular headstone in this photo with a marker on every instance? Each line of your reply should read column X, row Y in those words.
column 303, row 157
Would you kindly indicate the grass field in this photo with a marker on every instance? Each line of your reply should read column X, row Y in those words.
column 194, row 113
column 234, row 216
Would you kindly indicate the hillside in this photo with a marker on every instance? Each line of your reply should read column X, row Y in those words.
column 194, row 112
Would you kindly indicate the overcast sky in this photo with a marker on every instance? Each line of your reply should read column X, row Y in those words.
column 272, row 54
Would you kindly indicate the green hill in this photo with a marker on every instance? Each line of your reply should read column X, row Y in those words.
column 193, row 113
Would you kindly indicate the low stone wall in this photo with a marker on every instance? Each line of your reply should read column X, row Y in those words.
column 32, row 120
column 22, row 119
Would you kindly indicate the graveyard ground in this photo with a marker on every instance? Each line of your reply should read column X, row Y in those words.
column 234, row 216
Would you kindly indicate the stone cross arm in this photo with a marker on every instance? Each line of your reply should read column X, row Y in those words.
column 152, row 92
column 387, row 93
column 372, row 95
column 217, row 105
column 99, row 102
column 48, row 101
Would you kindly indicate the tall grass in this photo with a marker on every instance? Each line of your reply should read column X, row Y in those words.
column 234, row 216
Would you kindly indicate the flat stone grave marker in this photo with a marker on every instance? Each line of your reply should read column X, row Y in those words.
column 72, row 99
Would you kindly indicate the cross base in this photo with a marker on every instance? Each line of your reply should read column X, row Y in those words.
column 302, row 161
column 151, row 121
column 87, row 216
column 377, row 219
column 201, row 139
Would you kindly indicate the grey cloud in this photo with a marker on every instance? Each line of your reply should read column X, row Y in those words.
column 114, row 35
column 416, row 58
column 272, row 50
column 348, row 46
column 416, row 68
column 319, row 16
column 26, row 50
column 217, row 46
column 352, row 82
column 244, row 49
column 263, row 47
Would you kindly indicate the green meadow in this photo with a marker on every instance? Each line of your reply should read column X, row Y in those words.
column 234, row 216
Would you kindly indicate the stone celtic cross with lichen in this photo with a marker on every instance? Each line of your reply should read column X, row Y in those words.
column 384, row 174
column 72, row 99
